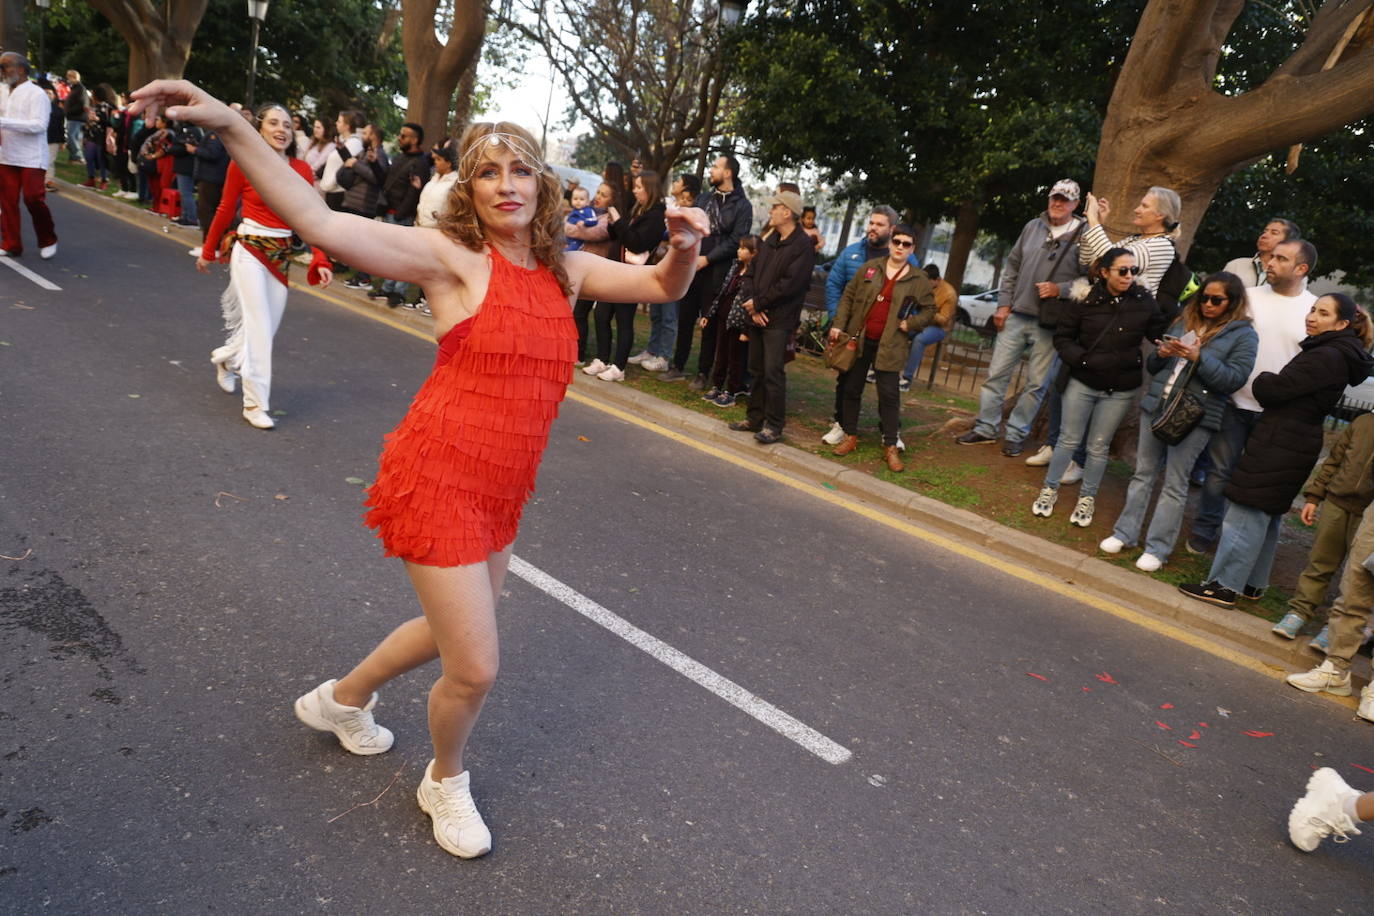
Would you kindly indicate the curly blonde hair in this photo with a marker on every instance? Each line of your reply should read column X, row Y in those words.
column 460, row 222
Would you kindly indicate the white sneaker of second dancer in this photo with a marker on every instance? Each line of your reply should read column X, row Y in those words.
column 458, row 828
column 355, row 728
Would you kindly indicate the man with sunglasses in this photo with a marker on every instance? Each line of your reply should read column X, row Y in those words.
column 1039, row 270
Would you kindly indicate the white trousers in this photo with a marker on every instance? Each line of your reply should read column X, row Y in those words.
column 253, row 305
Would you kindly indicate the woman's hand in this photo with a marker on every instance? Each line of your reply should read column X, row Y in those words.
column 202, row 265
column 686, row 225
column 1309, row 514
column 835, row 334
column 901, row 326
column 326, row 277
column 180, row 100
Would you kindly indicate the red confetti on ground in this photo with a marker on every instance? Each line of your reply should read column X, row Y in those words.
column 1087, row 690
column 1358, row 767
column 1195, row 735
column 1202, row 725
column 1106, row 678
column 1163, row 726
column 1038, row 677
column 1166, row 705
column 1186, row 743
column 1254, row 734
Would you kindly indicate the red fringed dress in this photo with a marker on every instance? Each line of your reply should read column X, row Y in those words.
column 456, row 472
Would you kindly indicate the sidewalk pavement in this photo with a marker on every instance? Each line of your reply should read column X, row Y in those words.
column 1092, row 578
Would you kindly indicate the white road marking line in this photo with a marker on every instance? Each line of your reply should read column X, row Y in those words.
column 15, row 265
column 722, row 687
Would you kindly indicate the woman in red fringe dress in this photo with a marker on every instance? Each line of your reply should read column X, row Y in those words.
column 456, row 472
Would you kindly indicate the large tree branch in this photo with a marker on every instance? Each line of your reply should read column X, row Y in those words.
column 1169, row 50
column 1326, row 29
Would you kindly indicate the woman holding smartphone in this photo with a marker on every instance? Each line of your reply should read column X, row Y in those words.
column 886, row 302
column 1214, row 342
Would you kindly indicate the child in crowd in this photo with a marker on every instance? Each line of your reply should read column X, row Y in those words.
column 731, row 343
column 1343, row 487
column 582, row 214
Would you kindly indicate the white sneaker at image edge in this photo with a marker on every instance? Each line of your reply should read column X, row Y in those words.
column 458, row 828
column 1321, row 812
column 1111, row 544
column 1325, row 678
column 1148, row 562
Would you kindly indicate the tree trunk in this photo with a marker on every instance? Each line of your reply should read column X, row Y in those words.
column 12, row 33
column 159, row 38
column 997, row 265
column 1166, row 124
column 462, row 100
column 961, row 244
column 434, row 67
column 848, row 224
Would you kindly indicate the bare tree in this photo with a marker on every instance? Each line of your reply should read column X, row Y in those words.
column 1168, row 125
column 644, row 73
column 435, row 66
column 159, row 34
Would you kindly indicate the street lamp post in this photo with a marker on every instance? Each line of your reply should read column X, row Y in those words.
column 42, row 22
column 257, row 11
column 731, row 11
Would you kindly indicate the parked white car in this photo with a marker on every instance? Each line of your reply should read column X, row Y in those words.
column 975, row 310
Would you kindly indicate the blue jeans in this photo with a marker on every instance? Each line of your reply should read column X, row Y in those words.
column 186, row 187
column 662, row 329
column 1097, row 412
column 919, row 341
column 1173, row 497
column 1054, row 402
column 76, row 131
column 1245, row 553
column 1019, row 334
column 398, row 287
column 1227, row 444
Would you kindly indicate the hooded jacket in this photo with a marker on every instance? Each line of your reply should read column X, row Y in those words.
column 1287, row 440
column 1099, row 335
column 1224, row 363
column 730, row 215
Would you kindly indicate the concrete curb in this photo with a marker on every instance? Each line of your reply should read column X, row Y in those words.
column 1237, row 631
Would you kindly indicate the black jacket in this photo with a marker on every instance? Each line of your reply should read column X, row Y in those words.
column 75, row 104
column 730, row 216
column 183, row 160
column 212, row 159
column 1287, row 441
column 400, row 195
column 1122, row 323
column 638, row 234
column 778, row 279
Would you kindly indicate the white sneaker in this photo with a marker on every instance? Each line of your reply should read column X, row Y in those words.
column 458, row 828
column 639, row 358
column 1044, row 503
column 258, row 417
column 1366, row 710
column 1082, row 512
column 195, row 252
column 225, row 378
column 655, row 364
column 354, row 727
column 835, row 436
column 48, row 251
column 1325, row 678
column 1073, row 474
column 612, row 373
column 1148, row 562
column 1112, row 544
column 901, row 446
column 1321, row 812
column 1041, row 458
column 595, row 367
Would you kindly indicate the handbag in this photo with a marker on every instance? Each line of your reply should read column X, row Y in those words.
column 841, row 353
column 1181, row 414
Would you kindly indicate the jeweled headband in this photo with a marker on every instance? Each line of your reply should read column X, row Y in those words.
column 474, row 155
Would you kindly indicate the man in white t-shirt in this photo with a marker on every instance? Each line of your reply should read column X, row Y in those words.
column 1279, row 310
column 1251, row 269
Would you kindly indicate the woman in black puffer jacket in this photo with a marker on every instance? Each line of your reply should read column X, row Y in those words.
column 1098, row 339
column 1284, row 446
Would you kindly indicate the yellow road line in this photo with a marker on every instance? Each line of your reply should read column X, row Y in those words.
column 1048, row 583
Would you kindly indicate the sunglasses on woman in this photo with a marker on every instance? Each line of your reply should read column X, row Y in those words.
column 1215, row 300
column 1124, row 271
column 902, row 243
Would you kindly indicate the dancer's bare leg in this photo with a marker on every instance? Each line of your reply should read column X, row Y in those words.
column 408, row 646
column 460, row 605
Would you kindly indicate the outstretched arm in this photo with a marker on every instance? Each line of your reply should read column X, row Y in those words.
column 613, row 281
column 378, row 248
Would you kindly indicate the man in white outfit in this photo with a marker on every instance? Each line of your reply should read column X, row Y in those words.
column 23, row 158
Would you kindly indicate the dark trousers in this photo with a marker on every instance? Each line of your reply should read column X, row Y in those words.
column 889, row 395
column 19, row 181
column 208, row 194
column 767, row 362
column 581, row 309
column 731, row 355
column 1225, row 449
column 693, row 305
column 624, row 314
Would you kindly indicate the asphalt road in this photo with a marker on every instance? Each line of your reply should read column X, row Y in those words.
column 185, row 577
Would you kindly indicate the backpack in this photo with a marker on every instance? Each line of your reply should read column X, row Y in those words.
column 1177, row 285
